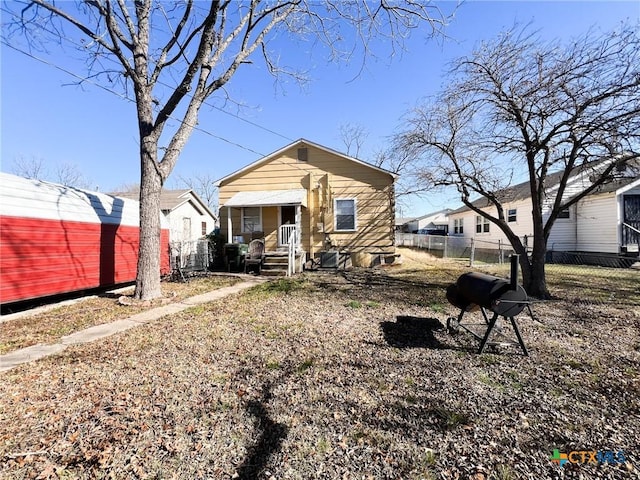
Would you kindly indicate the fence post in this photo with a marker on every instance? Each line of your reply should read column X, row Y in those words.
column 500, row 252
column 444, row 250
column 473, row 252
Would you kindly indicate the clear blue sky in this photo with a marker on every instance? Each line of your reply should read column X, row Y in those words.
column 97, row 132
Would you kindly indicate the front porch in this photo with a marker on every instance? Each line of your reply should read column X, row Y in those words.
column 275, row 217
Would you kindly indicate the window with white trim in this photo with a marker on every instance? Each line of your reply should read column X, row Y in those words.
column 458, row 227
column 512, row 215
column 482, row 224
column 345, row 214
column 251, row 219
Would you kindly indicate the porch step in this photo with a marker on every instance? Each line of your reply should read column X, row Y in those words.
column 276, row 263
column 273, row 272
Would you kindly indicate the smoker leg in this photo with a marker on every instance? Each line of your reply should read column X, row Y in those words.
column 492, row 323
column 515, row 329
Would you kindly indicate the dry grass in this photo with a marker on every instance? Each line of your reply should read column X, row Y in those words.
column 50, row 326
column 338, row 376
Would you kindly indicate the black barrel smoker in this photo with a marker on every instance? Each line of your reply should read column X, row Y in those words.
column 504, row 298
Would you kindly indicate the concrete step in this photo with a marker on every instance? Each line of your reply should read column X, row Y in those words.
column 273, row 272
column 275, row 261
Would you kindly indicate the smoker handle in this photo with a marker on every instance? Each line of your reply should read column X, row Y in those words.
column 515, row 263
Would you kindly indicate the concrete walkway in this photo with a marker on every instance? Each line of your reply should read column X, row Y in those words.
column 91, row 334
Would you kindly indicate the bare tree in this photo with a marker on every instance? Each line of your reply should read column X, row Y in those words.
column 69, row 174
column 518, row 105
column 197, row 47
column 204, row 185
column 353, row 136
column 66, row 173
column 33, row 168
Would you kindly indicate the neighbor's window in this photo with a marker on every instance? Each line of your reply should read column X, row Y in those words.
column 204, row 228
column 458, row 228
column 512, row 215
column 564, row 213
column 251, row 219
column 482, row 224
column 345, row 212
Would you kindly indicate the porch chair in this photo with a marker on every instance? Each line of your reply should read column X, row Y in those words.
column 254, row 256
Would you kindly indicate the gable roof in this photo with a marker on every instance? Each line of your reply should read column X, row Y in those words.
column 522, row 191
column 301, row 142
column 444, row 211
column 172, row 199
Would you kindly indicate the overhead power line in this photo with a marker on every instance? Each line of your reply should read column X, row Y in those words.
column 129, row 99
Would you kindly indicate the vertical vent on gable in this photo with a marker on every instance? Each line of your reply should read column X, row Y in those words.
column 303, row 154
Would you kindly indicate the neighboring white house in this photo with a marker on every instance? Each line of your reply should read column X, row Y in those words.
column 432, row 223
column 189, row 217
column 606, row 221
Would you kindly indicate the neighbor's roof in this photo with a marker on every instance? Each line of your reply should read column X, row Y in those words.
column 268, row 198
column 403, row 220
column 172, row 199
column 522, row 190
column 303, row 142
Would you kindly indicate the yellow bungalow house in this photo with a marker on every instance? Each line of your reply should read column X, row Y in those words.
column 323, row 205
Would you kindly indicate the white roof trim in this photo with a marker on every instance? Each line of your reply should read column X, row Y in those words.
column 268, row 198
column 302, row 141
column 628, row 187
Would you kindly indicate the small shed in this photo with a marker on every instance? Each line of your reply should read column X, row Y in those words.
column 56, row 239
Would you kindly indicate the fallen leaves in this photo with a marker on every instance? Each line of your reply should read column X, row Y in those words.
column 294, row 383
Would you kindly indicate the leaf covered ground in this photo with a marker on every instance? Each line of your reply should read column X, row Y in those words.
column 333, row 376
column 50, row 326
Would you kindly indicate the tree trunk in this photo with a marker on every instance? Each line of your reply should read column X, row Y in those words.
column 148, row 278
column 535, row 282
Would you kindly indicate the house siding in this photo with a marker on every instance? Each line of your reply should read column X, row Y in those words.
column 325, row 176
column 521, row 227
column 196, row 215
column 597, row 224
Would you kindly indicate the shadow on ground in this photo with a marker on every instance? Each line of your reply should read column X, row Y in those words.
column 270, row 436
column 413, row 332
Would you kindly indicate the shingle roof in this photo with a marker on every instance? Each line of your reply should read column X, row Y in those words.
column 522, row 190
column 169, row 199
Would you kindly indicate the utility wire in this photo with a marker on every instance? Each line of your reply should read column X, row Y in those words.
column 82, row 46
column 129, row 99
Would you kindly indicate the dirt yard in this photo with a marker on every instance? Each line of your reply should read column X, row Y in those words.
column 335, row 376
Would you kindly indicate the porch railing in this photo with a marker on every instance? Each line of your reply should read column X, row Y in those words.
column 292, row 242
column 631, row 234
column 285, row 235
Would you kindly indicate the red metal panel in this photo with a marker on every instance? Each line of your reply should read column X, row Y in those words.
column 165, row 263
column 40, row 257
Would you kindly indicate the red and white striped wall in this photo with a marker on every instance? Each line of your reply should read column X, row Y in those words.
column 56, row 239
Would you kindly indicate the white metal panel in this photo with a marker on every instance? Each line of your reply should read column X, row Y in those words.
column 21, row 197
column 268, row 198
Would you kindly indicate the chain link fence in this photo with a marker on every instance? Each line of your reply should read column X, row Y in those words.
column 191, row 256
column 611, row 276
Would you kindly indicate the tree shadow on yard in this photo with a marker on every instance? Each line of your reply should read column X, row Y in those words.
column 269, row 438
column 414, row 332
